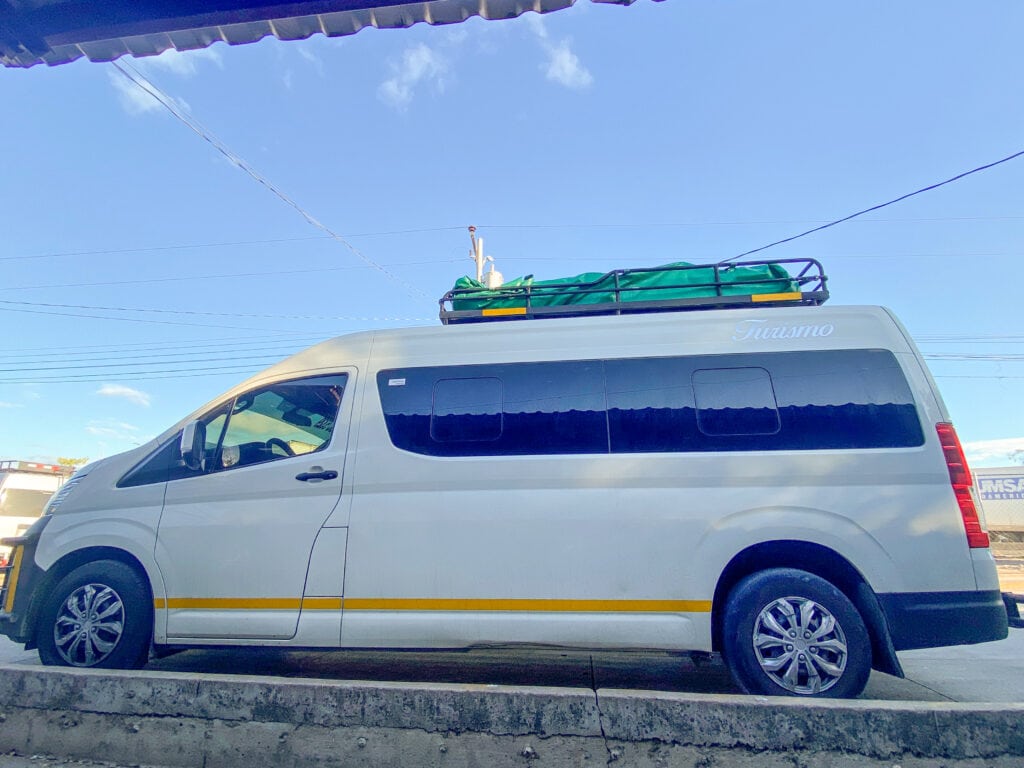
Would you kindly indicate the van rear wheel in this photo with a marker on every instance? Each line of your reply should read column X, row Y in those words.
column 787, row 632
column 99, row 615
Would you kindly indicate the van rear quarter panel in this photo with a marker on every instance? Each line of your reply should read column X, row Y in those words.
column 650, row 526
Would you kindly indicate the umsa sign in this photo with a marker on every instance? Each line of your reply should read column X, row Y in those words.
column 1001, row 488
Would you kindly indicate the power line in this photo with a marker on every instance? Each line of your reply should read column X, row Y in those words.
column 94, row 366
column 147, row 249
column 976, row 357
column 997, row 378
column 192, row 343
column 422, row 230
column 929, row 188
column 170, row 373
column 141, row 281
column 160, row 357
column 169, row 104
column 215, row 314
column 132, row 319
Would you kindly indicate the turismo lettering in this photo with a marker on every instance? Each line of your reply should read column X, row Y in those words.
column 759, row 330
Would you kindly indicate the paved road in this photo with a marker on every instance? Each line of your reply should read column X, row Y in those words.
column 991, row 672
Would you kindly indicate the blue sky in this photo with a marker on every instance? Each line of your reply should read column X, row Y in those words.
column 140, row 261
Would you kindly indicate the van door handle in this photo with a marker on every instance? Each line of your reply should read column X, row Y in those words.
column 330, row 474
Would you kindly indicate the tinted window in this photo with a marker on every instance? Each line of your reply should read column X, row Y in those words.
column 735, row 401
column 466, row 410
column 750, row 402
column 513, row 409
column 776, row 401
column 650, row 405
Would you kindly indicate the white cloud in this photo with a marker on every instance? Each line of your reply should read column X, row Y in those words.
column 563, row 66
column 120, row 390
column 420, row 65
column 313, row 59
column 456, row 34
column 116, row 430
column 135, row 100
column 993, row 451
column 10, row 405
column 181, row 63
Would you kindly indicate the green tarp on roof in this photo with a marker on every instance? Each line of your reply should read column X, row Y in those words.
column 679, row 280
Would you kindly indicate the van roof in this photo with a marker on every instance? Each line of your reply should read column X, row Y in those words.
column 708, row 332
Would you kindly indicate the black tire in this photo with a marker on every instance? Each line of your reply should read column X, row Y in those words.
column 100, row 615
column 779, row 639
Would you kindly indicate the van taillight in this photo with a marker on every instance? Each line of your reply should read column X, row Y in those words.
column 960, row 477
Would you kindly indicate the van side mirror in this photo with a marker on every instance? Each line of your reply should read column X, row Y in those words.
column 193, row 445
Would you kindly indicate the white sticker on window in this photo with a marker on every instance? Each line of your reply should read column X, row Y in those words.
column 396, row 382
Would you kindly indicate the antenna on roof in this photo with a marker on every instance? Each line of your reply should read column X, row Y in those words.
column 493, row 278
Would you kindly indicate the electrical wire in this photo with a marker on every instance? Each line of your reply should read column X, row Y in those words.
column 134, row 320
column 929, row 188
column 670, row 225
column 212, row 314
column 148, row 249
column 421, row 230
column 178, row 279
column 135, row 364
column 161, row 357
column 171, row 373
column 88, row 349
column 171, row 106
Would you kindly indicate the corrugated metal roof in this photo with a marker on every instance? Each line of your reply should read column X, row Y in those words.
column 58, row 31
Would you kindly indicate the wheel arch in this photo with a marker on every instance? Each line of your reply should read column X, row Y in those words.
column 66, row 565
column 820, row 561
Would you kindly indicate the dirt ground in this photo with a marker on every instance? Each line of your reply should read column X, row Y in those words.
column 1011, row 575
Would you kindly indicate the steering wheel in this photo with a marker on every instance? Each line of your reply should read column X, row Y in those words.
column 279, row 443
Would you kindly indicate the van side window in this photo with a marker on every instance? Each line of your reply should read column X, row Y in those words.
column 735, row 401
column 285, row 419
column 282, row 420
column 772, row 401
column 776, row 401
column 496, row 410
column 466, row 410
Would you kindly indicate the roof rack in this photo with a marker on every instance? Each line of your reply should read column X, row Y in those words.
column 671, row 288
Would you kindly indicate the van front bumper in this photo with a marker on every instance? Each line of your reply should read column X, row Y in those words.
column 20, row 579
column 934, row 619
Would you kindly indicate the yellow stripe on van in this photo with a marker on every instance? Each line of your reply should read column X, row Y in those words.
column 12, row 579
column 235, row 603
column 510, row 605
column 503, row 312
column 321, row 603
column 793, row 296
column 517, row 605
column 250, row 604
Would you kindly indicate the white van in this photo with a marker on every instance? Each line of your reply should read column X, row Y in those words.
column 782, row 485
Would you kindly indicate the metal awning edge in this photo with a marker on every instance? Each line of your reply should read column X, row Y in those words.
column 334, row 24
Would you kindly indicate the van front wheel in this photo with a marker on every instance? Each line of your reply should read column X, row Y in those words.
column 787, row 632
column 99, row 615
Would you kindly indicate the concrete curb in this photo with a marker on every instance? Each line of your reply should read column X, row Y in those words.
column 177, row 719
